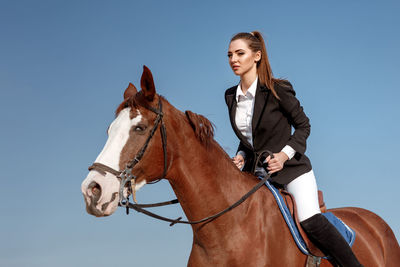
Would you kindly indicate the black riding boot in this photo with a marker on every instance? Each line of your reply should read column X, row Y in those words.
column 329, row 240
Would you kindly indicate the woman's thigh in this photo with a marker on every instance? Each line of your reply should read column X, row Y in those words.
column 305, row 192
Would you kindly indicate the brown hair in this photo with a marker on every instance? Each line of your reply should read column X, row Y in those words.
column 256, row 43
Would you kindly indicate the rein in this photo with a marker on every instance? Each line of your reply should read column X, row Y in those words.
column 140, row 207
column 129, row 180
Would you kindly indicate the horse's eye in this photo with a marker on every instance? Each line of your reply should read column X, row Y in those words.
column 139, row 128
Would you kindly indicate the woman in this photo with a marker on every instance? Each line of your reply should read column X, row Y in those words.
column 262, row 111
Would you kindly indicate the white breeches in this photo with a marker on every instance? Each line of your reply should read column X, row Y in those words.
column 305, row 192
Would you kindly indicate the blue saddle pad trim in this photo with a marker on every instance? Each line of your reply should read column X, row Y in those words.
column 348, row 233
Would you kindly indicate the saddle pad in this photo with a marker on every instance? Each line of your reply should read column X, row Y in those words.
column 348, row 233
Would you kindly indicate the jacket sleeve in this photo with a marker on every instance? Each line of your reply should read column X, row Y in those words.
column 291, row 107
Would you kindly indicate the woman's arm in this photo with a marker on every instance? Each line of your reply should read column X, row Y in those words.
column 297, row 142
column 294, row 111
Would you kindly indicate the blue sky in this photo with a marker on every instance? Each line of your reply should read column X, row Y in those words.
column 64, row 66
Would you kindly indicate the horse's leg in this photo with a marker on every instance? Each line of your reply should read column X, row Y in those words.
column 375, row 243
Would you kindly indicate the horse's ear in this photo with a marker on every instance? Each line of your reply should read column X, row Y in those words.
column 130, row 91
column 147, row 84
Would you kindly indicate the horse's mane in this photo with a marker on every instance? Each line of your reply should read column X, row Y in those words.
column 203, row 128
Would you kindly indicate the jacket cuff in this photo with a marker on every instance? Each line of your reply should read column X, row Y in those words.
column 289, row 151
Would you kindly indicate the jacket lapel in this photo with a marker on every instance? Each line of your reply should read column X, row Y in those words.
column 232, row 115
column 260, row 102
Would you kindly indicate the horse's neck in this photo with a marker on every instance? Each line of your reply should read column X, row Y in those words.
column 206, row 182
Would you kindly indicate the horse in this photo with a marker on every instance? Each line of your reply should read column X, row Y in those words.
column 180, row 147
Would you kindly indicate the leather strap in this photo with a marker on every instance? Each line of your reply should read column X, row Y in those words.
column 103, row 169
column 139, row 208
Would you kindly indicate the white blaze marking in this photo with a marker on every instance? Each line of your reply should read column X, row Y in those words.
column 117, row 138
column 118, row 135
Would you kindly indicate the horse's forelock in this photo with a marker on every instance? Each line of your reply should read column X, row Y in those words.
column 130, row 102
column 203, row 128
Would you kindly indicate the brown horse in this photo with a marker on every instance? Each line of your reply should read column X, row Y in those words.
column 206, row 181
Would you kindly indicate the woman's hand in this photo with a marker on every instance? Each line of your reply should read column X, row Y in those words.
column 276, row 164
column 238, row 160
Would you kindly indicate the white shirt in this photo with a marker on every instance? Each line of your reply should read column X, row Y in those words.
column 244, row 116
column 244, row 110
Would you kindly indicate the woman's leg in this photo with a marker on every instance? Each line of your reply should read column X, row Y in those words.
column 318, row 228
column 305, row 191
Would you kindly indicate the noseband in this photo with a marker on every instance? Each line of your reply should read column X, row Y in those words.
column 126, row 176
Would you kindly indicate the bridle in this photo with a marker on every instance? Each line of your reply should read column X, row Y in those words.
column 129, row 180
column 126, row 176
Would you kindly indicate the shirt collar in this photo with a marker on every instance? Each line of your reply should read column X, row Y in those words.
column 250, row 92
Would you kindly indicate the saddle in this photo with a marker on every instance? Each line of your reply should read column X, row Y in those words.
column 291, row 204
column 288, row 209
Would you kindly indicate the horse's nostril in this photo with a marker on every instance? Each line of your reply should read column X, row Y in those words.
column 94, row 189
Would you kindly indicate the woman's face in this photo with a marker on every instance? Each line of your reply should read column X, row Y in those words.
column 241, row 59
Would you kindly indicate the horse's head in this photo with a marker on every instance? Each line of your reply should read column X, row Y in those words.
column 134, row 129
